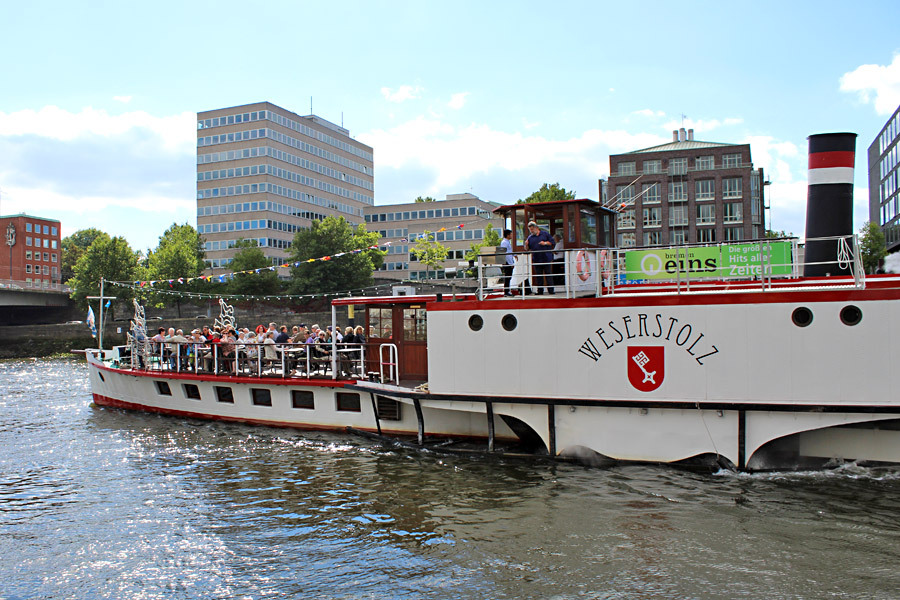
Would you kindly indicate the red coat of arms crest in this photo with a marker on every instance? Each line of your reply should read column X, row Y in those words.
column 646, row 367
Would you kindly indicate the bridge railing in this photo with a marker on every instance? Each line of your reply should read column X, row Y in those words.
column 33, row 286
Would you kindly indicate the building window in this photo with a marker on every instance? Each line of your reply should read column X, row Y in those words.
column 706, row 214
column 626, row 240
column 652, row 166
column 650, row 193
column 705, row 189
column 28, row 268
column 302, row 399
column 28, row 227
column 706, row 234
column 705, row 163
column 731, row 187
column 678, row 166
column 626, row 168
column 729, row 161
column 652, row 238
column 46, row 256
column 678, row 216
column 732, row 212
column 347, row 402
column 625, row 194
column 734, row 234
column 54, row 257
column 626, row 219
column 28, row 255
column 27, row 241
column 678, row 237
column 676, row 192
column 652, row 216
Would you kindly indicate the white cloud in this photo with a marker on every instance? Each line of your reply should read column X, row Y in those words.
column 178, row 132
column 122, row 99
column 879, row 84
column 453, row 156
column 402, row 93
column 646, row 112
column 457, row 101
column 529, row 124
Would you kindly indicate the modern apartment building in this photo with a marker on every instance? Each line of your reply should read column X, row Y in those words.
column 884, row 181
column 686, row 191
column 264, row 172
column 401, row 224
column 32, row 253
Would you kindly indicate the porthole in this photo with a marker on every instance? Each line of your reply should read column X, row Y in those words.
column 802, row 316
column 509, row 322
column 851, row 315
column 476, row 322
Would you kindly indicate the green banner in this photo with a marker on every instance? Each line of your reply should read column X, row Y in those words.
column 728, row 261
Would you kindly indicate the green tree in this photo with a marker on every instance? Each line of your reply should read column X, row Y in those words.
column 329, row 237
column 73, row 247
column 250, row 257
column 549, row 193
column 109, row 258
column 491, row 238
column 771, row 234
column 179, row 255
column 871, row 246
column 430, row 252
column 425, row 199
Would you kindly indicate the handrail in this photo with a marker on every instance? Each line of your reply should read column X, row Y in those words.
column 675, row 269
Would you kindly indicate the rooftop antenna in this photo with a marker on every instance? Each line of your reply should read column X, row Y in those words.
column 342, row 118
column 310, row 105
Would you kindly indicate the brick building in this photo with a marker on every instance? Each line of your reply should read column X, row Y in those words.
column 31, row 254
column 686, row 191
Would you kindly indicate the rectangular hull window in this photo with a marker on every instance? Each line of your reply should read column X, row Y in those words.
column 347, row 401
column 224, row 394
column 261, row 397
column 191, row 391
column 162, row 388
column 302, row 399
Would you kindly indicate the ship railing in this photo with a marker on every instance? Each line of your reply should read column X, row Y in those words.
column 286, row 360
column 761, row 265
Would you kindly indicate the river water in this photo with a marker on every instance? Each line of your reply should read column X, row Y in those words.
column 98, row 503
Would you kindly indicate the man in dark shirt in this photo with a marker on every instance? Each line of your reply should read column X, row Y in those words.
column 282, row 337
column 541, row 245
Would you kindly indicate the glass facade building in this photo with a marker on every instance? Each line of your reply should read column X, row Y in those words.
column 264, row 172
column 884, row 181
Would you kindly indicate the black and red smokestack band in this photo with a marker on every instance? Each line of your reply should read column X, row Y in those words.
column 829, row 204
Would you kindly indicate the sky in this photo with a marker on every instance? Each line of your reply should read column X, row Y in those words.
column 98, row 100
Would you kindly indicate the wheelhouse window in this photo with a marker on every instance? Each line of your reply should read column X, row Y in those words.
column 380, row 322
column 414, row 324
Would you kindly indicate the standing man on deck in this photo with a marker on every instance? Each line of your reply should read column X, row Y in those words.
column 541, row 245
column 508, row 261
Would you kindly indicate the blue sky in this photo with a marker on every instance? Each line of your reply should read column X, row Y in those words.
column 99, row 101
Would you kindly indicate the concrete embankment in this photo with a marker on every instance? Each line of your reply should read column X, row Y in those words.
column 26, row 341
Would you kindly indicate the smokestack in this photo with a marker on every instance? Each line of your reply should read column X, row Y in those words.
column 683, row 134
column 675, row 136
column 829, row 203
column 691, row 134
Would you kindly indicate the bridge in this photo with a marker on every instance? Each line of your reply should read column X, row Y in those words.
column 21, row 303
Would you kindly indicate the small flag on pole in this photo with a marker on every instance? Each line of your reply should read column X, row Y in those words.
column 91, row 322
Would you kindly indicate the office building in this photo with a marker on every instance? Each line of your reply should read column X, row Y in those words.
column 400, row 225
column 32, row 253
column 884, row 181
column 264, row 172
column 684, row 192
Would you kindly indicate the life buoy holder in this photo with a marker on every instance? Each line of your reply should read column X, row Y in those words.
column 583, row 265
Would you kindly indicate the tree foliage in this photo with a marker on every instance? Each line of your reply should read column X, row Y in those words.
column 109, row 258
column 772, row 234
column 179, row 254
column 425, row 199
column 430, row 252
column 871, row 246
column 328, row 237
column 249, row 257
column 73, row 247
column 491, row 238
column 549, row 193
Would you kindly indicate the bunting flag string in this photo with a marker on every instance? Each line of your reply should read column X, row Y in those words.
column 223, row 277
